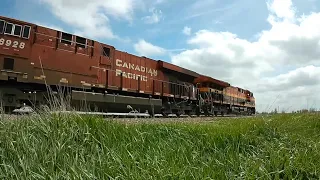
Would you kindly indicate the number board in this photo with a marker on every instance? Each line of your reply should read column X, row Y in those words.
column 10, row 43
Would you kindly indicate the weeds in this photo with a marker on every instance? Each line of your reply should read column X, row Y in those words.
column 59, row 146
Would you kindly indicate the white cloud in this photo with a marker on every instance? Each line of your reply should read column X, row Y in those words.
column 91, row 18
column 291, row 42
column 302, row 77
column 281, row 9
column 294, row 90
column 155, row 17
column 186, row 30
column 144, row 48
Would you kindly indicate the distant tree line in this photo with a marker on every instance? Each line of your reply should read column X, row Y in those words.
column 275, row 111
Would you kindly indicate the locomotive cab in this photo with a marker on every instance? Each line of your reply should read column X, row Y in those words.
column 249, row 96
column 14, row 49
column 250, row 100
column 15, row 68
column 211, row 92
column 211, row 95
column 211, row 89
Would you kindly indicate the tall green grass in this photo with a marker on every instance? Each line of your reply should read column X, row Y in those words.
column 87, row 147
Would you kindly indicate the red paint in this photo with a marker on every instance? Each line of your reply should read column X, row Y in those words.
column 45, row 54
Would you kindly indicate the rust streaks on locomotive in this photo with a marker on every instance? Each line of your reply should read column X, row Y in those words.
column 104, row 78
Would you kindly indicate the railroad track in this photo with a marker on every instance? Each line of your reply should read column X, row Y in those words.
column 124, row 120
column 27, row 110
column 129, row 115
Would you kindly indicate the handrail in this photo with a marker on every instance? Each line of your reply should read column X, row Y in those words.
column 187, row 87
column 159, row 80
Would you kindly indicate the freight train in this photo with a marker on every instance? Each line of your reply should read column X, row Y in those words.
column 34, row 58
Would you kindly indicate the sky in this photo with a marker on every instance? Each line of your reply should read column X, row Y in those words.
column 271, row 47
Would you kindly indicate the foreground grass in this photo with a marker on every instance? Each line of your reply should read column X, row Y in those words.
column 73, row 147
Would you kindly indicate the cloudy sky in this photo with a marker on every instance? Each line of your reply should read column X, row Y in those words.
column 271, row 47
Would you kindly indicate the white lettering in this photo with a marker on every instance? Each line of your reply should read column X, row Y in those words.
column 22, row 44
column 131, row 66
column 119, row 63
column 155, row 72
column 8, row 42
column 131, row 76
column 138, row 77
column 125, row 65
column 143, row 69
column 137, row 68
column 144, row 78
column 14, row 44
column 118, row 72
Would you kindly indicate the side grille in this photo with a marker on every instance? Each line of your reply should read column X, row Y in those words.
column 8, row 64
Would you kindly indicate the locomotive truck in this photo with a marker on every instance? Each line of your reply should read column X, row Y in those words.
column 35, row 59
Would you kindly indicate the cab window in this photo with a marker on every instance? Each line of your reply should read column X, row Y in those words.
column 26, row 32
column 2, row 23
column 17, row 30
column 106, row 51
column 12, row 29
column 9, row 28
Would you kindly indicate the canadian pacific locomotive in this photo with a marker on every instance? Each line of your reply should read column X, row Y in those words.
column 34, row 58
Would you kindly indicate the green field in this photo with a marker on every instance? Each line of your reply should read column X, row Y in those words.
column 73, row 147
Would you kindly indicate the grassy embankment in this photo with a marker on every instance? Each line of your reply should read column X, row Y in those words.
column 62, row 147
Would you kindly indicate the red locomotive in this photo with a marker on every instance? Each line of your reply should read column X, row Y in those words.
column 34, row 58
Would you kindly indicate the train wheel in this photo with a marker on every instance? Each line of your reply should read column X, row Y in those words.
column 198, row 112
column 188, row 113
column 164, row 114
column 151, row 114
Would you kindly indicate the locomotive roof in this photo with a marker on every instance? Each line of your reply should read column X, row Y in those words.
column 176, row 68
column 162, row 64
column 202, row 79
